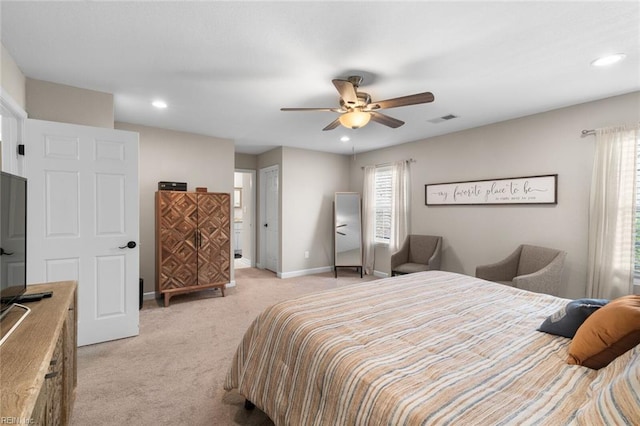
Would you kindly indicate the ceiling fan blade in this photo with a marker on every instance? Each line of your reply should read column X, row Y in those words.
column 418, row 98
column 347, row 91
column 312, row 109
column 385, row 119
column 335, row 123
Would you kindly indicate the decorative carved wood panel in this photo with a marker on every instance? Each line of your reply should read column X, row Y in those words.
column 193, row 238
column 178, row 217
column 214, row 224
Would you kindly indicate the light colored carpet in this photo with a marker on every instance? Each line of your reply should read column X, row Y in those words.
column 173, row 372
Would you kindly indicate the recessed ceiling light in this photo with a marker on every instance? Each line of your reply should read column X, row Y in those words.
column 608, row 60
column 345, row 139
column 159, row 104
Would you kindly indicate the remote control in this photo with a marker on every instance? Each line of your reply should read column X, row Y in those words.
column 26, row 298
column 34, row 297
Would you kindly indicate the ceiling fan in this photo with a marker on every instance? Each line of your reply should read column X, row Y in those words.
column 356, row 108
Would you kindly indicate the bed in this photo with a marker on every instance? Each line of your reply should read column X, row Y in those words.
column 428, row 348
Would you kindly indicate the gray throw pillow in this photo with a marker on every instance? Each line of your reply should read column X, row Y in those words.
column 566, row 321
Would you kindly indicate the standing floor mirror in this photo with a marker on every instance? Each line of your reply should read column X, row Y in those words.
column 347, row 221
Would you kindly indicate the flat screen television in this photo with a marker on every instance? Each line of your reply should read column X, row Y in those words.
column 13, row 239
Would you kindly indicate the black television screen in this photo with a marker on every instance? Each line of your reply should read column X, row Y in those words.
column 13, row 238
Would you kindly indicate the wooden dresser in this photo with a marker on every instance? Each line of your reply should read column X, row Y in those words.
column 193, row 242
column 38, row 361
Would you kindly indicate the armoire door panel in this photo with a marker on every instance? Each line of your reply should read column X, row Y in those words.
column 214, row 248
column 178, row 227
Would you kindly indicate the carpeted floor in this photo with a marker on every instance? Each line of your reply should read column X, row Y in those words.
column 173, row 372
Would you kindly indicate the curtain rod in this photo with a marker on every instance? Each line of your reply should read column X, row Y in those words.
column 592, row 132
column 410, row 160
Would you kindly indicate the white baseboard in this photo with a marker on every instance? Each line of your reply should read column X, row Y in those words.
column 230, row 284
column 304, row 272
column 244, row 261
column 313, row 271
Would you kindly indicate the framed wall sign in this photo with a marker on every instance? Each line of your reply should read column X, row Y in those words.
column 519, row 190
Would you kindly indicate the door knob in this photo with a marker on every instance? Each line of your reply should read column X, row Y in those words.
column 130, row 244
column 266, row 225
column 5, row 253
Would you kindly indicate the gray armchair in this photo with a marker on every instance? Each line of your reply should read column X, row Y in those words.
column 418, row 253
column 533, row 268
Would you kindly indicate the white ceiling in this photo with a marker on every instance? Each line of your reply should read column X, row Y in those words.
column 226, row 68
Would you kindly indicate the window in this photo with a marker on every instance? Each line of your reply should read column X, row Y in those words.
column 383, row 204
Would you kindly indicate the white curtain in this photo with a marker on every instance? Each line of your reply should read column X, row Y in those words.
column 611, row 214
column 399, row 204
column 369, row 218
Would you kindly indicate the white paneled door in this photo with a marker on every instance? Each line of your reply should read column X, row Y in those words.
column 83, row 220
column 269, row 201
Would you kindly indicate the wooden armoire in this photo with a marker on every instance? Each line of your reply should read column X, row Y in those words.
column 193, row 237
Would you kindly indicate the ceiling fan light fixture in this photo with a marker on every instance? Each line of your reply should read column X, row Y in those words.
column 355, row 119
column 608, row 60
column 160, row 104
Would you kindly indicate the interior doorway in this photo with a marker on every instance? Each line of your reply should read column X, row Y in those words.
column 13, row 118
column 244, row 235
column 269, row 219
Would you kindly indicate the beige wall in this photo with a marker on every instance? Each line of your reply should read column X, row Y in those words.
column 11, row 78
column 309, row 181
column 67, row 104
column 246, row 161
column 167, row 155
column 270, row 158
column 545, row 143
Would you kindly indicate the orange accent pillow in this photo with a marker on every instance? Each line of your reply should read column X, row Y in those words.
column 607, row 333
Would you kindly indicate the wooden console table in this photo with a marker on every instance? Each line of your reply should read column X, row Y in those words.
column 38, row 372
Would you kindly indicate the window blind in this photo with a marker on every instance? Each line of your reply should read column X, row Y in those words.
column 383, row 204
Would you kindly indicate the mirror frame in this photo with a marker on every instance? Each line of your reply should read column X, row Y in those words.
column 358, row 222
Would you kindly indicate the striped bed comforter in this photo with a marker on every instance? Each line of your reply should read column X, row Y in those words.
column 420, row 349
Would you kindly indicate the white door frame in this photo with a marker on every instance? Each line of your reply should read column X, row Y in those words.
column 251, row 213
column 13, row 134
column 263, row 192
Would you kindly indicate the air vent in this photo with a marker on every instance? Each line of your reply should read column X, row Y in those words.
column 442, row 119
